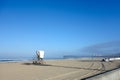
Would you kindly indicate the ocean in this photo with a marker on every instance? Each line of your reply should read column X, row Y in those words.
column 23, row 59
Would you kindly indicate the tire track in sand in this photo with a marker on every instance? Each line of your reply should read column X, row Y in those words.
column 68, row 74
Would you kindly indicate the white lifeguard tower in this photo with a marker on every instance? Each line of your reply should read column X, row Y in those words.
column 39, row 56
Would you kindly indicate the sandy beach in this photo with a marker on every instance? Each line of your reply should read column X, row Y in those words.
column 54, row 70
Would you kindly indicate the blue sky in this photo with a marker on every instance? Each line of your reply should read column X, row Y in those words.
column 60, row 27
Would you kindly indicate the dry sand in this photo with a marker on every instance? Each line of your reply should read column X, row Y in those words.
column 54, row 70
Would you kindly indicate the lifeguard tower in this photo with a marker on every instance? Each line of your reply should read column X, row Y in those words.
column 39, row 57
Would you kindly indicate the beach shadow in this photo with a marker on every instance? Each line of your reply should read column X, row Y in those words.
column 36, row 64
column 77, row 68
column 63, row 66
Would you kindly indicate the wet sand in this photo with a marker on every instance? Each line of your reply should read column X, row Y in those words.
column 54, row 70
